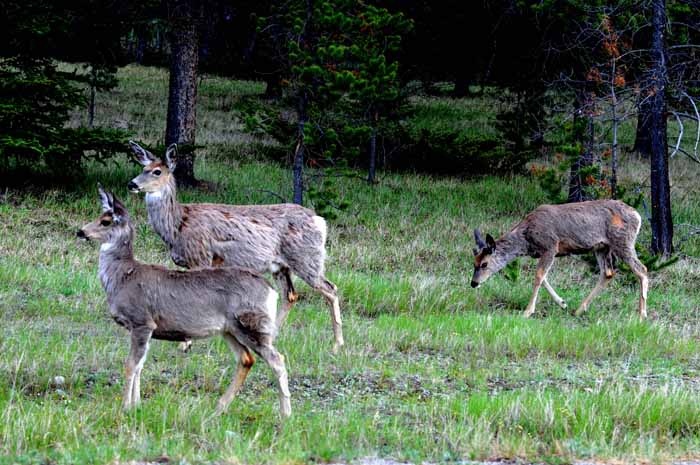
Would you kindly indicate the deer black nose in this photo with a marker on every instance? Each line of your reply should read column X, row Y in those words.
column 475, row 284
column 80, row 234
column 132, row 186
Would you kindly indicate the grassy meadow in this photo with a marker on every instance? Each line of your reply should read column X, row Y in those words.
column 432, row 369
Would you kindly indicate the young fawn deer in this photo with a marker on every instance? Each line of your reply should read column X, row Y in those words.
column 154, row 302
column 280, row 239
column 605, row 227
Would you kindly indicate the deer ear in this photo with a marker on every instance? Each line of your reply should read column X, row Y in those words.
column 171, row 157
column 490, row 242
column 143, row 156
column 106, row 199
column 118, row 209
column 479, row 241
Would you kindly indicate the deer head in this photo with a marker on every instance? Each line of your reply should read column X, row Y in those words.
column 484, row 265
column 156, row 173
column 112, row 224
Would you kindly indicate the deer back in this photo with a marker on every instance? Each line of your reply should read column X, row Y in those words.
column 579, row 227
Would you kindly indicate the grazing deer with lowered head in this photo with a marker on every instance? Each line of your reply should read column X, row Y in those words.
column 154, row 302
column 281, row 239
column 605, row 227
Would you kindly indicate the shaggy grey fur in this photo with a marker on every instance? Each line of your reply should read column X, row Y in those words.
column 280, row 239
column 152, row 301
column 605, row 227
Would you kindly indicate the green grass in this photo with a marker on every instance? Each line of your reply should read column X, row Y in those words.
column 433, row 370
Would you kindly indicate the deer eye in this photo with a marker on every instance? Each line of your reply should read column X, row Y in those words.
column 105, row 223
column 156, row 172
column 484, row 265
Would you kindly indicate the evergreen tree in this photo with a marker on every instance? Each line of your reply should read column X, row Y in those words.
column 37, row 97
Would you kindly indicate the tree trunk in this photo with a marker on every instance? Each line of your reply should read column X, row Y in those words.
column 273, row 88
column 182, row 115
column 372, row 172
column 298, row 165
column 461, row 87
column 577, row 181
column 642, row 139
column 91, row 107
column 661, row 221
column 615, row 121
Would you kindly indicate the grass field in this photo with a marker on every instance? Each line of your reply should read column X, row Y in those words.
column 432, row 369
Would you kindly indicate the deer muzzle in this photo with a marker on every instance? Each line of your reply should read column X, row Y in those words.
column 133, row 187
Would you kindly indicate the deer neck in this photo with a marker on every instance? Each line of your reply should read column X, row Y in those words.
column 508, row 248
column 116, row 261
column 164, row 212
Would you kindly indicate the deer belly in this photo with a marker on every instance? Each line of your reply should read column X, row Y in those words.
column 571, row 248
column 182, row 330
column 165, row 335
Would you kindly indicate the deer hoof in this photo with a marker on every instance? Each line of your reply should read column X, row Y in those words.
column 292, row 297
column 580, row 311
column 186, row 345
column 563, row 305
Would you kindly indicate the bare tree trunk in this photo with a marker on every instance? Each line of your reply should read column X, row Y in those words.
column 461, row 87
column 661, row 221
column 615, row 124
column 577, row 181
column 372, row 172
column 182, row 98
column 91, row 107
column 298, row 165
column 642, row 139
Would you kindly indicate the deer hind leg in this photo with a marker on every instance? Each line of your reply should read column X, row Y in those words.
column 330, row 292
column 264, row 348
column 289, row 295
column 140, row 338
column 630, row 257
column 245, row 361
column 554, row 294
column 543, row 266
column 604, row 259
column 311, row 271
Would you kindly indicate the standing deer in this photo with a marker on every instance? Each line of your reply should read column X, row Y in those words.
column 281, row 239
column 606, row 227
column 153, row 302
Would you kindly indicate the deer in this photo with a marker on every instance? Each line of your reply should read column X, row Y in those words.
column 154, row 302
column 280, row 239
column 608, row 228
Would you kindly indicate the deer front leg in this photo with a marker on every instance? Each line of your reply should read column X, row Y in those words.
column 554, row 294
column 140, row 338
column 606, row 275
column 543, row 266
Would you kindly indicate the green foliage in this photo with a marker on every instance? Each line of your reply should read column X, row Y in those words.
column 36, row 102
column 36, row 98
column 512, row 270
column 340, row 56
column 441, row 150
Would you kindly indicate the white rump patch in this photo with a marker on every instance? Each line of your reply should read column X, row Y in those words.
column 271, row 305
column 321, row 225
column 639, row 220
